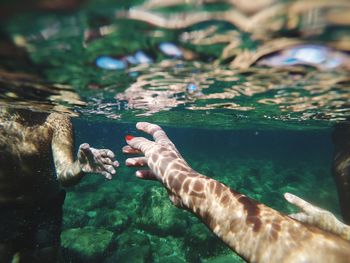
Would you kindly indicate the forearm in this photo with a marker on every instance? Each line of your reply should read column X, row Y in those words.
column 68, row 171
column 70, row 175
column 213, row 203
column 217, row 207
column 253, row 230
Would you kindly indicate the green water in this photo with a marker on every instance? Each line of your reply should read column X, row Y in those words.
column 263, row 164
column 260, row 131
column 225, row 98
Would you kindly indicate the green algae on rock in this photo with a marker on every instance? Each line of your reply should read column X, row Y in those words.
column 86, row 244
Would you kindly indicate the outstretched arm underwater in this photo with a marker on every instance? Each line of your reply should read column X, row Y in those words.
column 254, row 231
column 316, row 216
column 89, row 160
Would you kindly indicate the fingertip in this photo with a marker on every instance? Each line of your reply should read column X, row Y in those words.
column 126, row 149
column 110, row 154
column 129, row 137
column 141, row 124
column 129, row 162
column 145, row 175
column 288, row 196
column 84, row 146
column 138, row 174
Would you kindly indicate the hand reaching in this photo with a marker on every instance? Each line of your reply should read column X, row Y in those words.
column 160, row 155
column 316, row 216
column 100, row 161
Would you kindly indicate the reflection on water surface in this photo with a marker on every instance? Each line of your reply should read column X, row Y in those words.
column 126, row 74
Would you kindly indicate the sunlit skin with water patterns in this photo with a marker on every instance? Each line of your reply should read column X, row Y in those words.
column 256, row 232
column 36, row 158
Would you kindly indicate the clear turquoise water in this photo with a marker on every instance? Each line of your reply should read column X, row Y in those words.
column 263, row 164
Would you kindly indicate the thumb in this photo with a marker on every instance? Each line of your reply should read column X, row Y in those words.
column 84, row 150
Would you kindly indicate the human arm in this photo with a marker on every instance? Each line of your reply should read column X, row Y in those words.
column 253, row 230
column 89, row 160
column 316, row 216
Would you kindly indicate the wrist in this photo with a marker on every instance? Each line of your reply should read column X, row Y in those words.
column 78, row 168
column 176, row 179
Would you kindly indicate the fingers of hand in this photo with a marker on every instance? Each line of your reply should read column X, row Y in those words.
column 115, row 164
column 302, row 217
column 94, row 156
column 107, row 153
column 109, row 161
column 86, row 169
column 146, row 175
column 109, row 168
column 84, row 150
column 84, row 146
column 136, row 162
column 157, row 132
column 129, row 150
column 140, row 143
column 149, row 128
column 297, row 201
column 103, row 156
column 107, row 175
column 161, row 137
column 106, row 161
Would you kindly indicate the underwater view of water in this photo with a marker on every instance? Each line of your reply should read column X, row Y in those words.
column 211, row 84
column 263, row 164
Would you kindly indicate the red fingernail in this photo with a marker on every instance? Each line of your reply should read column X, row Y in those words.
column 129, row 137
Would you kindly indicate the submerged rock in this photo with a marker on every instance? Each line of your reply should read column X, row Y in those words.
column 168, row 249
column 86, row 244
column 229, row 258
column 159, row 216
column 139, row 254
column 74, row 217
column 132, row 247
column 113, row 220
column 202, row 242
